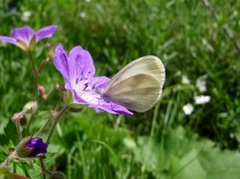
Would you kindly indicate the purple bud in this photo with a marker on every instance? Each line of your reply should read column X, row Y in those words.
column 37, row 145
column 31, row 147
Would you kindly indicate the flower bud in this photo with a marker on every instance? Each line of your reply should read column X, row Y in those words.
column 30, row 107
column 42, row 91
column 31, row 147
column 23, row 121
column 20, row 117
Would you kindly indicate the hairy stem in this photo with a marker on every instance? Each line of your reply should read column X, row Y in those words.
column 44, row 125
column 55, row 120
column 4, row 164
column 39, row 107
column 10, row 157
column 43, row 65
column 19, row 133
column 35, row 72
column 154, row 120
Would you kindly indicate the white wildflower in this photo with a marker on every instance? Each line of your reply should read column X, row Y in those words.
column 188, row 109
column 179, row 73
column 26, row 16
column 202, row 99
column 185, row 80
column 201, row 84
column 83, row 15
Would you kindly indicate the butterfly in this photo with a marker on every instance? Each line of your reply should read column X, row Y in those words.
column 138, row 86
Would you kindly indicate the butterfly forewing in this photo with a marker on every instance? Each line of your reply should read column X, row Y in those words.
column 138, row 93
column 149, row 65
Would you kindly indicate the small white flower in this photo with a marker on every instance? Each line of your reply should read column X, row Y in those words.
column 83, row 15
column 202, row 99
column 201, row 84
column 26, row 15
column 185, row 80
column 178, row 73
column 188, row 109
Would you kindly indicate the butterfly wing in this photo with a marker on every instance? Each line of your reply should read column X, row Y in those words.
column 150, row 65
column 138, row 93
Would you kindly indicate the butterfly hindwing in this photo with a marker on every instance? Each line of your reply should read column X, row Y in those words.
column 135, row 95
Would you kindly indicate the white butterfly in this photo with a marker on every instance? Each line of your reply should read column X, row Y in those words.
column 138, row 86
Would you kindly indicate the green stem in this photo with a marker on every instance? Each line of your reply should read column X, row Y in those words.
column 25, row 170
column 14, row 167
column 19, row 133
column 9, row 158
column 43, row 65
column 41, row 129
column 4, row 164
column 35, row 72
column 55, row 119
column 42, row 167
column 154, row 121
column 39, row 106
column 30, row 121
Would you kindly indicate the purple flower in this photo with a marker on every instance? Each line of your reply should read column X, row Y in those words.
column 78, row 70
column 25, row 37
column 31, row 147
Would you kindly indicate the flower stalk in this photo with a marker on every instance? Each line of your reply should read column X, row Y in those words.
column 19, row 133
column 55, row 120
column 42, row 167
column 35, row 72
column 9, row 158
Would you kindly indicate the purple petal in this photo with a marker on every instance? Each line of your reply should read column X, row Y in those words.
column 23, row 34
column 121, row 110
column 68, row 86
column 45, row 32
column 101, row 81
column 112, row 108
column 61, row 62
column 10, row 40
column 77, row 98
column 37, row 146
column 80, row 64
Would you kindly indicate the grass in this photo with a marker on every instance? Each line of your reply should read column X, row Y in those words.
column 161, row 142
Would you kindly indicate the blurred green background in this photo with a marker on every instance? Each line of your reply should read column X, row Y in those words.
column 171, row 140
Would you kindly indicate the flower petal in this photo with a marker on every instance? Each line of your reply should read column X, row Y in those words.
column 101, row 81
column 61, row 62
column 81, row 64
column 45, row 32
column 77, row 99
column 112, row 108
column 10, row 40
column 37, row 145
column 23, row 34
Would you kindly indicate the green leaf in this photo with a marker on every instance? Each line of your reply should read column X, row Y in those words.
column 183, row 155
column 10, row 132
